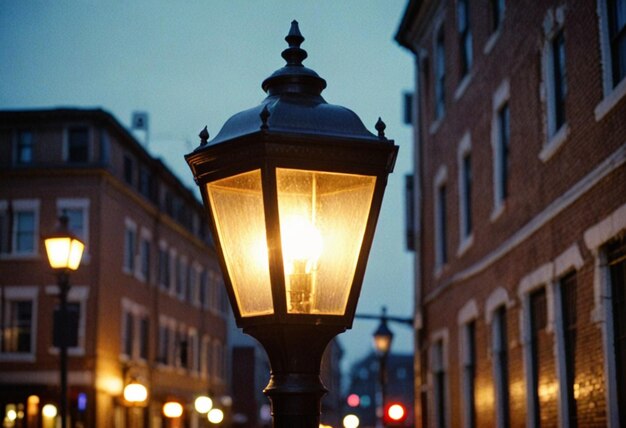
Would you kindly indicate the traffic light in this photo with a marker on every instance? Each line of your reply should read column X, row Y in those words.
column 395, row 413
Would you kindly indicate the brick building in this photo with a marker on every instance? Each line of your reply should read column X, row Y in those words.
column 148, row 293
column 520, row 211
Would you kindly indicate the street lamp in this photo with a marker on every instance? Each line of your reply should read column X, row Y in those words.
column 64, row 250
column 383, row 337
column 293, row 189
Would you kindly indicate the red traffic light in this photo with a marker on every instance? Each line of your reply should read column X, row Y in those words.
column 395, row 412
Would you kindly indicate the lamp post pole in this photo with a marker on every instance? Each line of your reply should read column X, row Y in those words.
column 64, row 287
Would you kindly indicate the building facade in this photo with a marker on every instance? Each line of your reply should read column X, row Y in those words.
column 520, row 211
column 147, row 299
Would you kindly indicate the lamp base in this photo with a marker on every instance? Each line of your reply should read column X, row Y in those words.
column 295, row 389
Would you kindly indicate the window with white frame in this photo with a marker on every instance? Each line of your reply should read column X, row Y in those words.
column 204, row 289
column 164, row 337
column 24, row 147
column 19, row 322
column 567, row 321
column 465, row 36
column 181, row 270
column 164, row 266
column 440, row 381
column 5, row 228
column 500, row 144
column 464, row 159
column 77, row 212
column 607, row 243
column 173, row 263
column 440, row 72
column 25, row 226
column 500, row 358
column 135, row 330
column 219, row 361
column 466, row 320
column 469, row 373
column 77, row 145
column 181, row 344
column 145, row 254
column 194, row 355
column 612, row 27
column 440, row 212
column 204, row 357
column 194, row 282
column 616, row 259
column 144, row 336
column 496, row 9
column 130, row 246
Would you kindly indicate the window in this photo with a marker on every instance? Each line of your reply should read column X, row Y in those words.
column 145, row 253
column 409, row 220
column 465, row 36
column 194, row 355
column 181, row 277
column 164, row 343
column 18, row 328
column 616, row 258
column 440, row 73
column 503, row 151
column 617, row 38
column 497, row 14
column 130, row 244
column 77, row 212
column 469, row 374
column 24, row 148
column 129, row 170
column 441, row 235
column 129, row 334
column 78, row 145
column 17, row 322
column 204, row 357
column 500, row 136
column 146, row 186
column 500, row 355
column 193, row 282
column 25, row 233
column 538, row 323
column 164, row 267
column 439, row 381
column 558, row 80
column 568, row 324
column 204, row 294
column 182, row 349
column 464, row 159
column 5, row 229
column 144, row 335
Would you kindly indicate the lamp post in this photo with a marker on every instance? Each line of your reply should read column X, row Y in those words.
column 64, row 250
column 383, row 337
column 293, row 189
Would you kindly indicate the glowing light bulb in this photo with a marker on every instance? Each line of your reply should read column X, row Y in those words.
column 302, row 247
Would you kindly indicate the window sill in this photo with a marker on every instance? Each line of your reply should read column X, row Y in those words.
column 491, row 41
column 460, row 90
column 610, row 100
column 498, row 210
column 17, row 357
column 71, row 352
column 434, row 127
column 555, row 143
column 465, row 244
column 17, row 256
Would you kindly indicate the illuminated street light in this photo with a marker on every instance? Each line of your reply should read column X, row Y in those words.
column 203, row 404
column 215, row 415
column 293, row 189
column 65, row 251
column 172, row 409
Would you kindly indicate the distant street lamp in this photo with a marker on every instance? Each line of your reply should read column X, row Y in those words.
column 64, row 250
column 293, row 189
column 383, row 337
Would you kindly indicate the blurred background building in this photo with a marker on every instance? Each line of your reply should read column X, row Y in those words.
column 519, row 197
column 148, row 299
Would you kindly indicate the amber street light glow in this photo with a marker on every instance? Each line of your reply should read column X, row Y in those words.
column 49, row 411
column 172, row 409
column 135, row 393
column 203, row 404
column 215, row 416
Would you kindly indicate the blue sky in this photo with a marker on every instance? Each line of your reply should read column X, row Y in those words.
column 195, row 63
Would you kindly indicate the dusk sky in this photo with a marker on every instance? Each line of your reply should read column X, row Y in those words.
column 194, row 63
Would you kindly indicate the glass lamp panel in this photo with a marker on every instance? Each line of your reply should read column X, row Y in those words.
column 237, row 208
column 76, row 254
column 323, row 217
